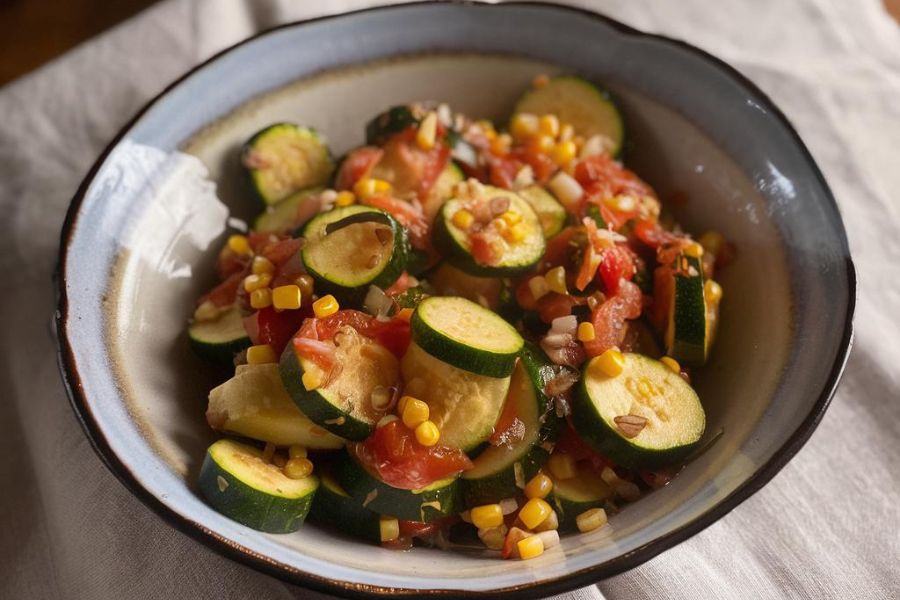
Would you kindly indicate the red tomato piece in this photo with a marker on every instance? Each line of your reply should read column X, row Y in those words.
column 553, row 305
column 226, row 292
column 617, row 265
column 542, row 166
column 277, row 328
column 358, row 164
column 610, row 316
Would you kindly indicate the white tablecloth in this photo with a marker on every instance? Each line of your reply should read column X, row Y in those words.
column 828, row 526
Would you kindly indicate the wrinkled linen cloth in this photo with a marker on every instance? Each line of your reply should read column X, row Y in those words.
column 825, row 527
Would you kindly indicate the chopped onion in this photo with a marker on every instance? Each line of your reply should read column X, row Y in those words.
column 385, row 420
column 524, row 177
column 566, row 189
column 561, row 383
column 377, row 302
column 444, row 114
column 557, row 340
column 508, row 506
column 592, row 146
column 562, row 407
column 567, row 324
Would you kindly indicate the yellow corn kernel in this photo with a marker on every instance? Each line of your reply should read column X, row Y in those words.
column 382, row 186
column 311, row 380
column 694, row 250
column 515, row 234
column 427, row 132
column 671, row 363
column 369, row 186
column 524, row 126
column 297, row 451
column 487, row 516
column 261, row 354
column 256, row 282
column 325, row 306
column 713, row 291
column 262, row 265
column 239, row 245
column 463, row 219
column 610, row 363
column 389, row 528
column 585, row 332
column 534, row 512
column 261, row 298
column 539, row 486
column 590, row 520
column 530, row 547
column 556, row 280
column 414, row 412
column 545, row 144
column 564, row 152
column 549, row 125
column 427, row 433
column 511, row 217
column 405, row 314
column 712, row 242
column 501, row 144
column 286, row 297
column 566, row 132
column 538, row 287
column 345, row 198
column 401, row 403
column 298, row 468
column 207, row 311
column 561, row 466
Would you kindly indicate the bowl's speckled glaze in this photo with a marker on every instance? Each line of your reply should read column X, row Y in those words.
column 136, row 251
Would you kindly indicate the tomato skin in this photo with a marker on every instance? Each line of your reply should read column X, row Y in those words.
column 502, row 170
column 559, row 249
column 609, row 318
column 224, row 294
column 542, row 166
column 552, row 306
column 358, row 164
column 277, row 328
column 617, row 265
column 507, row 419
column 393, row 334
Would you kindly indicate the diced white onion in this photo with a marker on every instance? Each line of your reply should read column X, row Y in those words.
column 377, row 302
column 508, row 506
column 549, row 537
column 567, row 324
column 566, row 189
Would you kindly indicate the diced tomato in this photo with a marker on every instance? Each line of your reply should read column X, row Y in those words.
column 502, row 170
column 407, row 214
column 507, row 550
column 542, row 166
column 277, row 328
column 559, row 248
column 226, row 292
column 589, row 263
column 320, row 352
column 607, row 177
column 403, row 283
column 552, row 306
column 418, row 529
column 656, row 479
column 524, row 297
column 282, row 251
column 393, row 334
column 617, row 265
column 481, row 248
column 358, row 164
column 507, row 420
column 610, row 316
column 403, row 542
column 228, row 263
column 399, row 460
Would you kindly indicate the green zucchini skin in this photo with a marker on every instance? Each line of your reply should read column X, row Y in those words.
column 391, row 122
column 250, row 506
column 218, row 350
column 282, row 217
column 334, row 507
column 458, row 354
column 686, row 338
column 436, row 501
column 550, row 212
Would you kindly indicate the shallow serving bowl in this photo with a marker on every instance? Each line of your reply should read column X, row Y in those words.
column 137, row 249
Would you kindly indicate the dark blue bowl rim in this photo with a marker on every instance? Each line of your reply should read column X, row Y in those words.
column 577, row 579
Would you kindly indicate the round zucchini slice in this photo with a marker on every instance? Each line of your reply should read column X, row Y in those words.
column 435, row 501
column 687, row 334
column 466, row 335
column 442, row 190
column 285, row 158
column 571, row 497
column 334, row 507
column 550, row 212
column 447, row 280
column 645, row 417
column 580, row 103
column 220, row 339
column 285, row 217
column 255, row 404
column 348, row 249
column 236, row 480
column 519, row 246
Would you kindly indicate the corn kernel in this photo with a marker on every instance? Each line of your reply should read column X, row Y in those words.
column 501, row 144
column 414, row 412
column 530, row 547
column 487, row 516
column 671, row 363
column 262, row 265
column 261, row 354
column 286, row 297
column 345, row 198
column 261, row 298
column 549, row 125
column 368, row 186
column 550, row 523
column 564, row 152
column 545, row 144
column 298, row 468
column 405, row 314
column 712, row 242
column 590, row 520
column 694, row 250
column 524, row 126
column 586, row 332
column 427, row 132
column 566, row 132
column 297, row 451
column 382, row 186
column 712, row 291
column 515, row 234
column 207, row 311
column 389, row 529
column 256, row 282
column 538, row 287
column 511, row 217
column 463, row 219
column 539, row 486
column 427, row 433
column 325, row 306
column 401, row 403
column 610, row 363
column 561, row 466
column 239, row 245
column 311, row 380
column 534, row 512
column 556, row 280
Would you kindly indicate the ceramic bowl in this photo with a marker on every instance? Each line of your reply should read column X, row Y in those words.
column 139, row 241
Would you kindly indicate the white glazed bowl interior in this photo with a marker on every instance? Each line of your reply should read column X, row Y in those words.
column 147, row 230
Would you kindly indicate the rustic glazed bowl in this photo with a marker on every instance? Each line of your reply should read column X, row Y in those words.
column 137, row 249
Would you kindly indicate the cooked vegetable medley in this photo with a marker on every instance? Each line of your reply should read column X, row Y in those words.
column 458, row 333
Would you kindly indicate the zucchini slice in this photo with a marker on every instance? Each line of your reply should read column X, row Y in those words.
column 580, row 103
column 240, row 484
column 435, row 501
column 334, row 507
column 499, row 470
column 285, row 158
column 517, row 254
column 285, row 217
column 442, row 190
column 571, row 497
column 447, row 280
column 343, row 405
column 464, row 405
column 220, row 339
column 645, row 417
column 255, row 404
column 348, row 249
column 686, row 337
column 466, row 335
column 550, row 212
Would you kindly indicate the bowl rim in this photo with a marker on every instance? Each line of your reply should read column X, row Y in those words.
column 583, row 577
